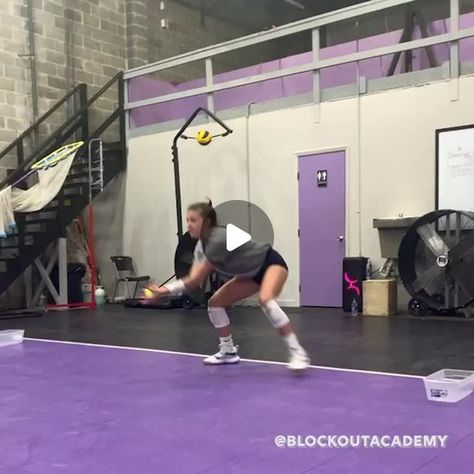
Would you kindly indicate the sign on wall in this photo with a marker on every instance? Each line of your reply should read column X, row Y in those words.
column 322, row 177
column 455, row 168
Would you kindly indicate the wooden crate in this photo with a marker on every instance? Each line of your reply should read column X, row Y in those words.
column 380, row 297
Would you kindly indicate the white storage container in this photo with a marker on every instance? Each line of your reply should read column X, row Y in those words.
column 449, row 385
column 86, row 292
column 11, row 336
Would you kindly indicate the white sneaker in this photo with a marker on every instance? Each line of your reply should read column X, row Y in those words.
column 224, row 356
column 298, row 361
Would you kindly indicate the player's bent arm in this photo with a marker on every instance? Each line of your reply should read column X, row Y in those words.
column 198, row 274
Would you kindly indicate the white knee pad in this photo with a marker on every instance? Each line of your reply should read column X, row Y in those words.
column 218, row 316
column 275, row 314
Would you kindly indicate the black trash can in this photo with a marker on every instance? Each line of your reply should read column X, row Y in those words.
column 75, row 273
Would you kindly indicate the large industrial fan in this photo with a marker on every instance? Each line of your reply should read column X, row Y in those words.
column 436, row 262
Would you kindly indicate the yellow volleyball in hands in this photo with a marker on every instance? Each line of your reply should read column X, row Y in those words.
column 147, row 293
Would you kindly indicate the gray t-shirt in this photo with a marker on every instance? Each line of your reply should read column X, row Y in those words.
column 199, row 253
column 244, row 261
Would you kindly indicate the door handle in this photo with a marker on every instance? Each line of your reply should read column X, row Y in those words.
column 340, row 238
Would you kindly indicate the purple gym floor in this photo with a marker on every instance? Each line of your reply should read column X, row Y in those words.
column 70, row 408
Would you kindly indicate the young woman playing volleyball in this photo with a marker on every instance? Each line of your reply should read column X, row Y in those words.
column 267, row 279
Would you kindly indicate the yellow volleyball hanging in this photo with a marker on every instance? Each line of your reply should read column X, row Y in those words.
column 204, row 137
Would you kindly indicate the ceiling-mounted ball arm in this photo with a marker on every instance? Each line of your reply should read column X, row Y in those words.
column 193, row 116
column 174, row 149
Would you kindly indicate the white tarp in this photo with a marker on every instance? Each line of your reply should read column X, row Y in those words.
column 50, row 182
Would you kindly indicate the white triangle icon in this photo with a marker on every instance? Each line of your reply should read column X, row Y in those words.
column 235, row 237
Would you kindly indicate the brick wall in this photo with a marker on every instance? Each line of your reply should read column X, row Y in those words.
column 80, row 41
column 90, row 40
column 186, row 32
column 15, row 102
column 137, row 33
column 75, row 41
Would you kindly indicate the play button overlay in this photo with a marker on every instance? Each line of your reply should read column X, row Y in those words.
column 240, row 242
column 248, row 217
column 235, row 237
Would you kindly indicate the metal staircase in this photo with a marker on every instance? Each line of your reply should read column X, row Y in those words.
column 35, row 231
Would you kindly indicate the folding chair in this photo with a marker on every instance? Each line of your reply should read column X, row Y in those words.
column 125, row 272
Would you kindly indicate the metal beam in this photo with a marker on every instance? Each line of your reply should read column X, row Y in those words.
column 454, row 57
column 62, row 271
column 354, row 57
column 27, row 278
column 43, row 281
column 45, row 278
column 454, row 11
column 257, row 38
column 406, row 35
column 316, row 47
column 209, row 82
column 454, row 46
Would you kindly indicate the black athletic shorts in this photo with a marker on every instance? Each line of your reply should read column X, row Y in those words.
column 272, row 258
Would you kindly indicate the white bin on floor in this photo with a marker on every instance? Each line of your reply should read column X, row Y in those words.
column 86, row 292
column 11, row 336
column 449, row 385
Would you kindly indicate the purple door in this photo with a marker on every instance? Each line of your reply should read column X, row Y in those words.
column 322, row 202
